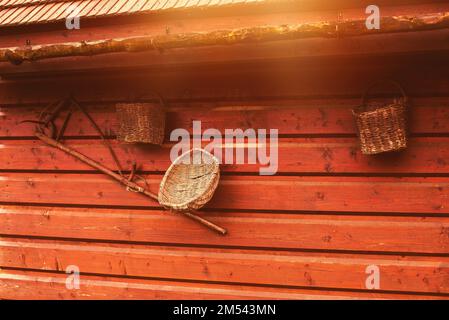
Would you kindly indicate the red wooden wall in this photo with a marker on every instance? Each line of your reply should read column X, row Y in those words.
column 308, row 232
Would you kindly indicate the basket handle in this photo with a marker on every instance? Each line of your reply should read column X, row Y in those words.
column 375, row 84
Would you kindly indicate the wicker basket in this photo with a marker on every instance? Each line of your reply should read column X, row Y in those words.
column 141, row 122
column 382, row 128
column 190, row 181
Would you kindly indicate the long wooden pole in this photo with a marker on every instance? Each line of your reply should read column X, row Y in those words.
column 328, row 29
column 123, row 180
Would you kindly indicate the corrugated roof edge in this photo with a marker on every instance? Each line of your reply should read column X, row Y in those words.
column 55, row 10
column 13, row 4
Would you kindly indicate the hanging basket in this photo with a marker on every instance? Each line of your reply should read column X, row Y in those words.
column 190, row 181
column 382, row 128
column 141, row 122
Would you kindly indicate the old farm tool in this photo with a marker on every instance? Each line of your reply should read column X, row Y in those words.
column 193, row 184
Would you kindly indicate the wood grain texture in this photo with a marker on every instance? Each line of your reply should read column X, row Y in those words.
column 263, row 230
column 407, row 274
column 423, row 43
column 39, row 285
column 296, row 155
column 336, row 28
column 316, row 228
column 346, row 27
column 279, row 79
column 290, row 117
column 353, row 194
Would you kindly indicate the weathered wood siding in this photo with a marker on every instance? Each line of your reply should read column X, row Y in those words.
column 308, row 232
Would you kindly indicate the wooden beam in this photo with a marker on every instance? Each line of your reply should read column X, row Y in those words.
column 420, row 76
column 424, row 156
column 427, row 44
column 16, row 284
column 306, row 231
column 255, row 34
column 300, row 117
column 397, row 273
column 405, row 196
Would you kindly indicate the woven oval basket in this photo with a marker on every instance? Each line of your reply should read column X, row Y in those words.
column 190, row 181
column 141, row 122
column 384, row 128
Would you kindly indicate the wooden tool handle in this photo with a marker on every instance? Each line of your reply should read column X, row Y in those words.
column 206, row 223
column 122, row 180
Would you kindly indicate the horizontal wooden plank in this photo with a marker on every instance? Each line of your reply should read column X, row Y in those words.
column 295, row 155
column 33, row 285
column 285, row 79
column 397, row 273
column 353, row 194
column 274, row 230
column 300, row 116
